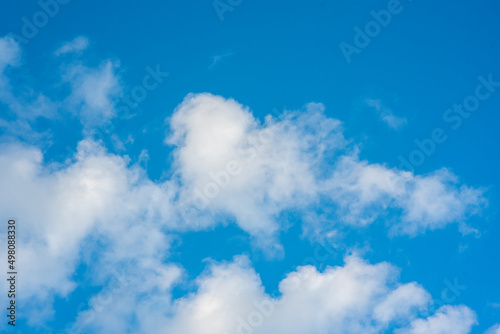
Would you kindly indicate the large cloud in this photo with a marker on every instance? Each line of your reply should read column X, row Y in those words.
column 94, row 200
column 232, row 163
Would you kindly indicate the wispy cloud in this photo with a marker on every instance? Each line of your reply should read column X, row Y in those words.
column 77, row 45
column 386, row 114
column 94, row 92
column 218, row 58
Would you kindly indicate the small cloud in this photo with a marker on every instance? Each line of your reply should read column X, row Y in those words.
column 117, row 143
column 10, row 53
column 75, row 46
column 386, row 114
column 130, row 139
column 94, row 92
column 394, row 121
column 144, row 157
column 217, row 58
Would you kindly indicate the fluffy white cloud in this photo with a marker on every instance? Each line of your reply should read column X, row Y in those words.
column 232, row 163
column 230, row 299
column 448, row 319
column 65, row 213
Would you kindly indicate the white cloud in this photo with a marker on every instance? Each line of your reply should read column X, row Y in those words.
column 365, row 191
column 355, row 298
column 66, row 212
column 94, row 92
column 493, row 330
column 296, row 161
column 77, row 45
column 401, row 302
column 231, row 163
column 448, row 319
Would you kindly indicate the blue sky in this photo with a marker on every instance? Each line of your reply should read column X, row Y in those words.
column 170, row 165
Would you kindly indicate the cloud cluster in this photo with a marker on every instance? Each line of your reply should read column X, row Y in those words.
column 101, row 211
